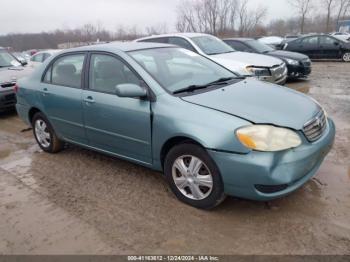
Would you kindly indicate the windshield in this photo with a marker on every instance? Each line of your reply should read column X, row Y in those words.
column 177, row 68
column 259, row 47
column 7, row 60
column 211, row 45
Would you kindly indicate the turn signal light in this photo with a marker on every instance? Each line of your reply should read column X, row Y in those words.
column 247, row 141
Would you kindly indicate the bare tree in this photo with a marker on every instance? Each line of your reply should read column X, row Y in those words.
column 249, row 20
column 185, row 17
column 218, row 17
column 157, row 29
column 343, row 7
column 329, row 5
column 88, row 31
column 303, row 7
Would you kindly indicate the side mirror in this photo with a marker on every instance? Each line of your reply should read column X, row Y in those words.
column 24, row 63
column 130, row 90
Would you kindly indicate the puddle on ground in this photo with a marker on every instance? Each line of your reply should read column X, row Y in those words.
column 304, row 89
column 4, row 153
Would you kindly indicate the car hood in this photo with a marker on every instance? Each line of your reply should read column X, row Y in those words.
column 260, row 103
column 242, row 60
column 12, row 74
column 287, row 54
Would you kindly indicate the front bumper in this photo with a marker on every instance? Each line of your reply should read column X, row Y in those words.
column 298, row 71
column 293, row 168
column 7, row 99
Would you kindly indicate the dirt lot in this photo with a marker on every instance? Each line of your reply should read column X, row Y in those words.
column 84, row 202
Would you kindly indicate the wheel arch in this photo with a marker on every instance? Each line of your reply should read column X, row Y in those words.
column 171, row 142
column 32, row 112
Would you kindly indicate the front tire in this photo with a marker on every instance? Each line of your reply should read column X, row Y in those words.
column 346, row 57
column 193, row 176
column 45, row 135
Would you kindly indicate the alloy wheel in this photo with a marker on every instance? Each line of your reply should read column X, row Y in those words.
column 192, row 177
column 42, row 133
column 346, row 57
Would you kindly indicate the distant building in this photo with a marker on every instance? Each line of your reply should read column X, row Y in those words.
column 343, row 26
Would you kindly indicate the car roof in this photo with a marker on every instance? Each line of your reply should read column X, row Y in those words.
column 50, row 51
column 189, row 35
column 242, row 39
column 313, row 35
column 120, row 46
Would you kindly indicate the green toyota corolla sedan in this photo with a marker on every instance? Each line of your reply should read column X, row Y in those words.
column 213, row 133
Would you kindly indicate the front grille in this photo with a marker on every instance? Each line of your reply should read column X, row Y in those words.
column 315, row 128
column 5, row 85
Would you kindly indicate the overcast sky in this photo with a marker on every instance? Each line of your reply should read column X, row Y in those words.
column 44, row 15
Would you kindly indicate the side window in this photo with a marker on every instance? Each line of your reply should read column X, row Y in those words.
column 67, row 70
column 326, row 40
column 310, row 41
column 181, row 42
column 106, row 72
column 37, row 58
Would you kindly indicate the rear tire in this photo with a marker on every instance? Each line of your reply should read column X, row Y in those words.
column 346, row 57
column 45, row 135
column 193, row 176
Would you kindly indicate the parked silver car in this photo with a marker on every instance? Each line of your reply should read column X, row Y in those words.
column 263, row 67
column 39, row 57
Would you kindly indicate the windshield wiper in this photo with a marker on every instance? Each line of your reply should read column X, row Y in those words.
column 223, row 80
column 191, row 88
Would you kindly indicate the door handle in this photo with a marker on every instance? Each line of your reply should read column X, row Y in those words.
column 89, row 100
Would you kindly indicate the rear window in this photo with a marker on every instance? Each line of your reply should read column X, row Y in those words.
column 66, row 71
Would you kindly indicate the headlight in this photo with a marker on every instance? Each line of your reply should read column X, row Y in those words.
column 292, row 62
column 258, row 71
column 268, row 138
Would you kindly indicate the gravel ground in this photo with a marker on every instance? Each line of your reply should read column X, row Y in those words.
column 82, row 202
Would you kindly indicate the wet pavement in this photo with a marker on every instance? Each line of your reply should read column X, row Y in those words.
column 82, row 202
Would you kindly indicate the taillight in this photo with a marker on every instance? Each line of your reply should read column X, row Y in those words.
column 15, row 88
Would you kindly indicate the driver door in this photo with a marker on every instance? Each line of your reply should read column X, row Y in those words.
column 121, row 126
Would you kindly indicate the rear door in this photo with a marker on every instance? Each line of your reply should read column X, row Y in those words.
column 61, row 91
column 118, row 125
column 330, row 47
